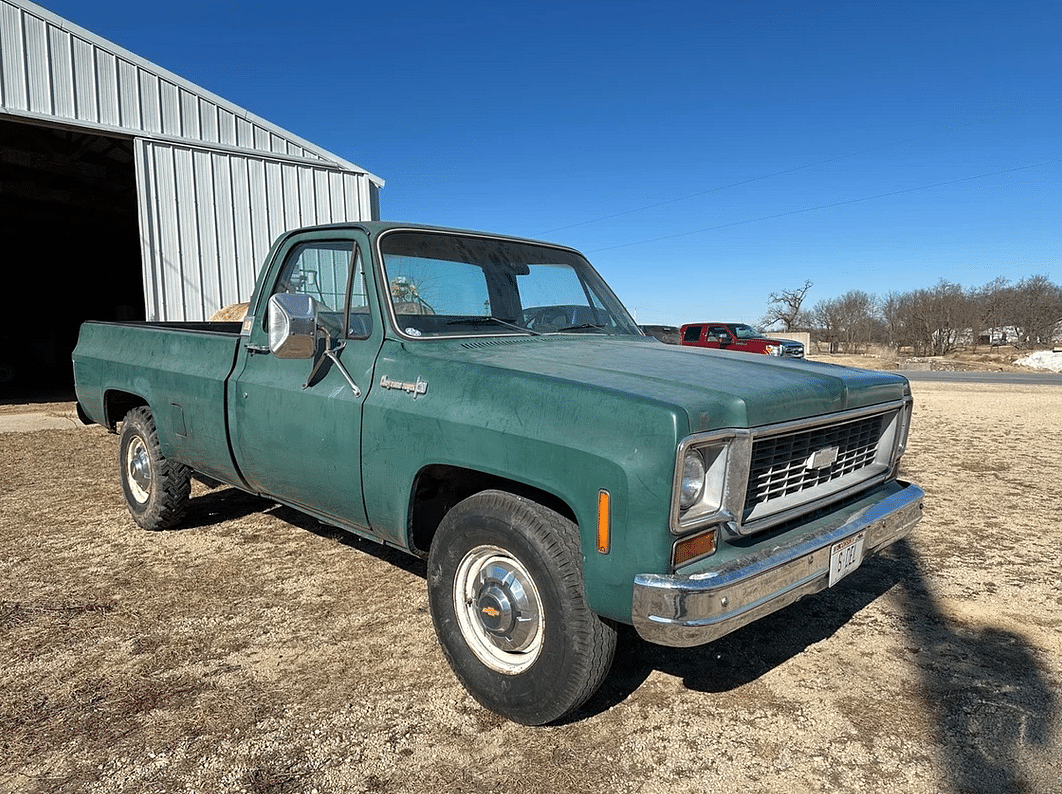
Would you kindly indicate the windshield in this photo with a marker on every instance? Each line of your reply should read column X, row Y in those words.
column 446, row 284
column 746, row 332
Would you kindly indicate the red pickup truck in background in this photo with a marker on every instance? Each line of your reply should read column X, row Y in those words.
column 740, row 338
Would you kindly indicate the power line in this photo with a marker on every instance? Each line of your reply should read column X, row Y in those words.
column 828, row 206
column 737, row 184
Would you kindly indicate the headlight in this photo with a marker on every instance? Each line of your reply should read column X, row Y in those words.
column 700, row 483
column 692, row 485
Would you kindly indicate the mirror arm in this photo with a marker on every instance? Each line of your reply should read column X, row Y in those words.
column 319, row 360
column 332, row 354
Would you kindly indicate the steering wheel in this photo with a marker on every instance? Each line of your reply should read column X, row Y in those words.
column 550, row 317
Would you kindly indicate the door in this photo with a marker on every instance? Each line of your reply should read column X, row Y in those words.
column 711, row 336
column 301, row 442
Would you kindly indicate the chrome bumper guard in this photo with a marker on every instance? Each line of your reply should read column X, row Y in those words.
column 684, row 610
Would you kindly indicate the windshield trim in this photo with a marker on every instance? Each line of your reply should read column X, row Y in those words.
column 392, row 319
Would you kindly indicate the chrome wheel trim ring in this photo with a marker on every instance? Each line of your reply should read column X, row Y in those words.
column 499, row 610
column 138, row 470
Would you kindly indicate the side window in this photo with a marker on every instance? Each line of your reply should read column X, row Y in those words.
column 692, row 333
column 715, row 330
column 323, row 269
column 320, row 270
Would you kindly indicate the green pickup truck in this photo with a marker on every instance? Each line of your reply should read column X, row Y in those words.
column 486, row 403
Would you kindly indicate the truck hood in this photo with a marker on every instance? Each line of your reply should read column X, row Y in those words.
column 715, row 389
column 785, row 342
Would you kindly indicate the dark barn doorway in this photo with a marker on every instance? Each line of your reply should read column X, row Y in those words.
column 70, row 249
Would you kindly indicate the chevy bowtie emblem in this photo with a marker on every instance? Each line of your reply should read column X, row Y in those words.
column 822, row 458
column 490, row 612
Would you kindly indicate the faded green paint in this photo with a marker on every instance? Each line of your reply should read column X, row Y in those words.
column 301, row 443
column 568, row 414
column 180, row 374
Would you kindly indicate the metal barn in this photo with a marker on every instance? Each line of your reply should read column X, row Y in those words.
column 127, row 192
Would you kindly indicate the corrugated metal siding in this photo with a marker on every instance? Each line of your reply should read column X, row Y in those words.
column 52, row 70
column 216, row 184
column 207, row 219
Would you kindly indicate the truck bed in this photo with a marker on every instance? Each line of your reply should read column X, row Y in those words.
column 180, row 369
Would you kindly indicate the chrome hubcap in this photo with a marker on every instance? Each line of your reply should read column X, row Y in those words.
column 498, row 610
column 138, row 470
column 505, row 611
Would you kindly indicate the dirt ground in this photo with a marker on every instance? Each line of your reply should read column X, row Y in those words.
column 254, row 650
column 981, row 359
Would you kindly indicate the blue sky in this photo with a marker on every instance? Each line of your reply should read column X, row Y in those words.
column 702, row 154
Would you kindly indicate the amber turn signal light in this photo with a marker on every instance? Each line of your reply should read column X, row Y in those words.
column 693, row 547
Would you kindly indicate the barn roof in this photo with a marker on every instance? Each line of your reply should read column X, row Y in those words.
column 54, row 71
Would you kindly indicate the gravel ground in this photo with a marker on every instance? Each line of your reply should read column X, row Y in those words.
column 254, row 650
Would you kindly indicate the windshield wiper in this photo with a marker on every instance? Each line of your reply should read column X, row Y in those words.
column 581, row 327
column 485, row 320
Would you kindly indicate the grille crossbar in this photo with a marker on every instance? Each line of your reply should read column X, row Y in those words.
column 784, row 465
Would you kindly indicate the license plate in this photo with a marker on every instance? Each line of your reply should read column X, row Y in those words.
column 845, row 557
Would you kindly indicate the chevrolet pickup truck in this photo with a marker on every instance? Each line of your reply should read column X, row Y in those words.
column 487, row 404
column 738, row 338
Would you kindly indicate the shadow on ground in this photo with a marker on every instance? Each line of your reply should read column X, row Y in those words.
column 748, row 653
column 982, row 688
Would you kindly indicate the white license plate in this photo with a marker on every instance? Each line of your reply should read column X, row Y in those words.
column 845, row 557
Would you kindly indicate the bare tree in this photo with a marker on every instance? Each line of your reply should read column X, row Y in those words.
column 1037, row 309
column 860, row 310
column 939, row 319
column 932, row 321
column 893, row 309
column 993, row 304
column 847, row 322
column 825, row 318
column 784, row 307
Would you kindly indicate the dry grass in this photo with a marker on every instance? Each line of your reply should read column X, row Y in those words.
column 254, row 650
column 981, row 359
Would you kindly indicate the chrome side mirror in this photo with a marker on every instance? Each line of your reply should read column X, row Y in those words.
column 292, row 323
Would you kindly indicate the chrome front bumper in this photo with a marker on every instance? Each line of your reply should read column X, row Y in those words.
column 685, row 610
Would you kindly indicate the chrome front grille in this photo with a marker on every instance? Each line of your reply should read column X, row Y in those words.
column 775, row 473
column 784, row 465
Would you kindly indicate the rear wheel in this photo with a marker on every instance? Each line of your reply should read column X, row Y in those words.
column 156, row 489
column 506, row 593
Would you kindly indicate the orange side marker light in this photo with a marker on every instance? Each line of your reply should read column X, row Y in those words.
column 604, row 521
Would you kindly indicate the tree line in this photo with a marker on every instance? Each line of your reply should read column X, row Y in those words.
column 930, row 322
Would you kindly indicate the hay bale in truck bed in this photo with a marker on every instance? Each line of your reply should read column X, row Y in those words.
column 233, row 313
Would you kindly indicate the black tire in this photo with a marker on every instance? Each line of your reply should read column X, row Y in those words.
column 156, row 489
column 498, row 557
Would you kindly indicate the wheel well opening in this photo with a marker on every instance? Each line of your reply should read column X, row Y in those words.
column 439, row 488
column 117, row 404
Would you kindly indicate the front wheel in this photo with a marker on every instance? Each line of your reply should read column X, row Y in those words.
column 156, row 489
column 506, row 594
